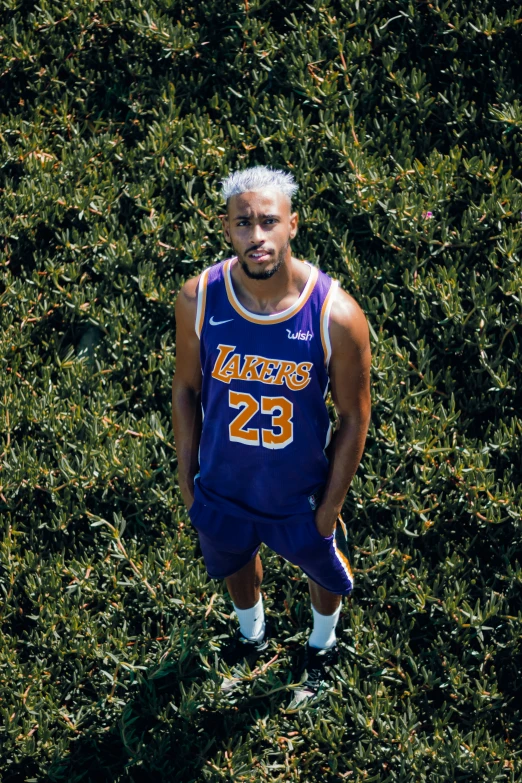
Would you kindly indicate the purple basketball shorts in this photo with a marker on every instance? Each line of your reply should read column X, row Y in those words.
column 228, row 543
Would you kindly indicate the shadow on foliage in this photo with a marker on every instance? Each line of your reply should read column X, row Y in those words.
column 169, row 729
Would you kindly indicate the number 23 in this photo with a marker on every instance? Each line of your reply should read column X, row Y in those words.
column 281, row 411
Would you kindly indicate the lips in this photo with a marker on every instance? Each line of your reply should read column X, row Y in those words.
column 259, row 256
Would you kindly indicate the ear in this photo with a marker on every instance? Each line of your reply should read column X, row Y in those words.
column 294, row 220
column 226, row 227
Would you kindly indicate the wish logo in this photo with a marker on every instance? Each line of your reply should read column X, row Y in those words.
column 299, row 335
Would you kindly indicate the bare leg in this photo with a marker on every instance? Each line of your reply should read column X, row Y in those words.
column 244, row 585
column 323, row 601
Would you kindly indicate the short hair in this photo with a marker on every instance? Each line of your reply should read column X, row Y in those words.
column 258, row 178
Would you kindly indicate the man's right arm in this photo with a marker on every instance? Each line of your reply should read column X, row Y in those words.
column 186, row 391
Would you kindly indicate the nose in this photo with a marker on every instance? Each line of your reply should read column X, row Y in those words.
column 257, row 234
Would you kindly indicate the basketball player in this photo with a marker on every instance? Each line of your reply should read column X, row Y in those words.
column 261, row 337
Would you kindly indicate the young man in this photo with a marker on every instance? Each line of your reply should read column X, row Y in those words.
column 261, row 337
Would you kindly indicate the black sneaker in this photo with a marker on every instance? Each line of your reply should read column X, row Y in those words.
column 241, row 650
column 315, row 675
column 241, row 654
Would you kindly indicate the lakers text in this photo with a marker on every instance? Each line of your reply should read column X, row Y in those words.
column 276, row 372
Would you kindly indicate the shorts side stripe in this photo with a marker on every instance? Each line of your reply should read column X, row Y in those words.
column 341, row 522
column 341, row 556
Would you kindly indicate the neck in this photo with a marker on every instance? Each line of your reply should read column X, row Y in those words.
column 277, row 292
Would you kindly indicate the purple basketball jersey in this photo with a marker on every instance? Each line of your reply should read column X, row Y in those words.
column 265, row 379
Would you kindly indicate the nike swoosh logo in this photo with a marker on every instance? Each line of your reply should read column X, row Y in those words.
column 217, row 323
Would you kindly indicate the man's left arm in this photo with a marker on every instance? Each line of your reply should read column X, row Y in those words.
column 349, row 372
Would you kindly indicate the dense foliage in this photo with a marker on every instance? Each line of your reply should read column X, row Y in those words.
column 402, row 122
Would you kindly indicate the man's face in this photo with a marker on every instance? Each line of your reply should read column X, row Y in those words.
column 259, row 225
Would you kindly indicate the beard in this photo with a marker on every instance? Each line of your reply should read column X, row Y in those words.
column 264, row 274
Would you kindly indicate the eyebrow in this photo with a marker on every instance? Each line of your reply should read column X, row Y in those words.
column 248, row 217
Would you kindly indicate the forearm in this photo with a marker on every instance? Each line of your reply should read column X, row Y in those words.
column 345, row 454
column 186, row 423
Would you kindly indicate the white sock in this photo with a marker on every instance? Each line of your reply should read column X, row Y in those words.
column 252, row 621
column 323, row 634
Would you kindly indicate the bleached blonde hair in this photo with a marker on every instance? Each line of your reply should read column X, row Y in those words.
column 259, row 178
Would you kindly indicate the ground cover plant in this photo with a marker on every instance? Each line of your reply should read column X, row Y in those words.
column 402, row 123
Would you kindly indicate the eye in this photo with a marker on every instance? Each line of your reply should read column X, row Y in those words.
column 270, row 220
column 243, row 223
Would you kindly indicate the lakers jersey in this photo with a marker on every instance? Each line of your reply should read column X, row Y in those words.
column 265, row 379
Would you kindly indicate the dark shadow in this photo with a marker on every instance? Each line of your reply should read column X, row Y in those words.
column 163, row 731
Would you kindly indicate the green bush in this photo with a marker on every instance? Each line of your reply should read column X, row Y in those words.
column 402, row 123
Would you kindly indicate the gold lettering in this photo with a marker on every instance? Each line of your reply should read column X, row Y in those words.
column 224, row 351
column 286, row 369
column 302, row 372
column 258, row 368
column 249, row 365
column 266, row 368
column 231, row 368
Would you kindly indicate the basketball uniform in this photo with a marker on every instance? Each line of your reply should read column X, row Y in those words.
column 265, row 429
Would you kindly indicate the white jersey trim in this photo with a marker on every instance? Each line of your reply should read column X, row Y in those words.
column 325, row 322
column 202, row 300
column 272, row 318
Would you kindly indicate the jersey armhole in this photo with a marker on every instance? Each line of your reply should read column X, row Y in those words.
column 201, row 303
column 325, row 322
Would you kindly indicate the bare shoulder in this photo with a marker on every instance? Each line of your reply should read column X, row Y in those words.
column 186, row 301
column 348, row 322
column 189, row 290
